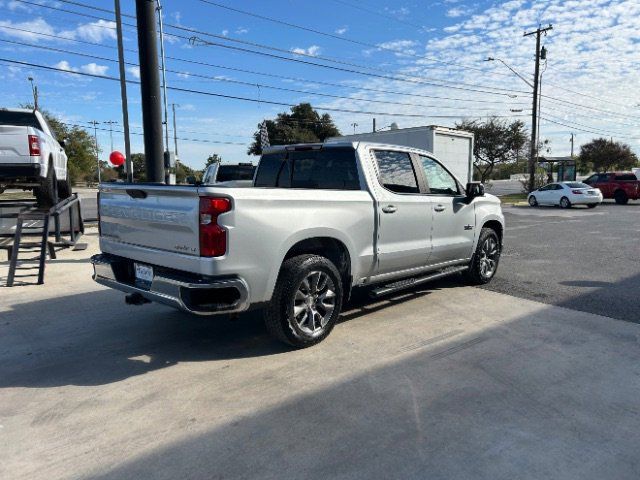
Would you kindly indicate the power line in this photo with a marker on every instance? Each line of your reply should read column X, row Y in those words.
column 239, row 82
column 572, row 127
column 336, row 37
column 445, row 83
column 246, row 99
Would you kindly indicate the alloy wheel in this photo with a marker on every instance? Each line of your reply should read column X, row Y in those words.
column 314, row 303
column 489, row 253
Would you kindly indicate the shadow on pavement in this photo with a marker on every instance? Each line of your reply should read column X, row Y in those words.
column 77, row 344
column 546, row 395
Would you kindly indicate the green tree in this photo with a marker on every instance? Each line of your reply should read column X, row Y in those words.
column 496, row 142
column 213, row 158
column 302, row 125
column 602, row 155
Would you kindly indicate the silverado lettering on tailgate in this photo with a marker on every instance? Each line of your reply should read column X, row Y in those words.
column 147, row 214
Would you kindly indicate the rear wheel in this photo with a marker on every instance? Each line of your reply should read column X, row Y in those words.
column 621, row 197
column 485, row 260
column 47, row 193
column 565, row 202
column 532, row 201
column 306, row 301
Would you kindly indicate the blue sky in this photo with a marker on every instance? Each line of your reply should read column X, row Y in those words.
column 430, row 49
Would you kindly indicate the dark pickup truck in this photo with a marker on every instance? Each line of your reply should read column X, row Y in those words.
column 621, row 186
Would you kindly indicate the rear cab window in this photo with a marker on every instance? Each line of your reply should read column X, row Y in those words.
column 19, row 119
column 627, row 177
column 333, row 168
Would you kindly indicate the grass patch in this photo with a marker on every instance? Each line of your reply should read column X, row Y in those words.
column 513, row 198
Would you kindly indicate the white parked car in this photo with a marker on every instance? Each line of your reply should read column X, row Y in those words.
column 566, row 194
column 31, row 157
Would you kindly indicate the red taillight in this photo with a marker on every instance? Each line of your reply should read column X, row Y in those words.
column 34, row 145
column 213, row 238
column 577, row 192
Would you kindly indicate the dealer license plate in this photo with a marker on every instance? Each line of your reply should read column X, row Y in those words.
column 144, row 274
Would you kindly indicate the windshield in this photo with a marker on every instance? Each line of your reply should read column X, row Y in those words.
column 577, row 185
column 235, row 172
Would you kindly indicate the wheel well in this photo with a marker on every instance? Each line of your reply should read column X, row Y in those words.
column 496, row 226
column 330, row 248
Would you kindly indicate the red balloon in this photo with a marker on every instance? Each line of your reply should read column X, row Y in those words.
column 116, row 158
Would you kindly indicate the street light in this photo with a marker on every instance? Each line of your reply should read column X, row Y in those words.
column 493, row 59
column 34, row 90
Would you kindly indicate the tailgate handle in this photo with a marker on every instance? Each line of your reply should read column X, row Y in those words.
column 133, row 193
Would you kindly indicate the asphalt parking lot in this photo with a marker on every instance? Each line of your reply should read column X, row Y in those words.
column 447, row 381
column 586, row 260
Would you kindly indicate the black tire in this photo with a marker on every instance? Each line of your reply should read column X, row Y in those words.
column 279, row 314
column 621, row 197
column 64, row 189
column 592, row 205
column 477, row 275
column 565, row 202
column 47, row 193
column 533, row 202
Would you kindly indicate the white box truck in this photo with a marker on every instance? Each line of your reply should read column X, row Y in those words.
column 454, row 148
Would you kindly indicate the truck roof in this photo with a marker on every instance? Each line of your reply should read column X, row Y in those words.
column 338, row 143
column 18, row 110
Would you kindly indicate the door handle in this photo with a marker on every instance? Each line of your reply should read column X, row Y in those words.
column 439, row 208
column 389, row 209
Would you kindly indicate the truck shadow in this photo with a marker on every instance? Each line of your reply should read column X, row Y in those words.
column 95, row 339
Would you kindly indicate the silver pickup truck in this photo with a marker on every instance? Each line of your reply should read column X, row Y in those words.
column 320, row 220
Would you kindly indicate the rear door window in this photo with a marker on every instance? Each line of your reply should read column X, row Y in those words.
column 19, row 119
column 626, row 177
column 328, row 168
column 396, row 171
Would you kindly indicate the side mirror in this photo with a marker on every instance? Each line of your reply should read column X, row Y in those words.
column 63, row 143
column 474, row 189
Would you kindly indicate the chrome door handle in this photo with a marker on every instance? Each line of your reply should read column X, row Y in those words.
column 439, row 208
column 389, row 209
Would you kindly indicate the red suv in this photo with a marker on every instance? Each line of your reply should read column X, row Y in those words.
column 620, row 186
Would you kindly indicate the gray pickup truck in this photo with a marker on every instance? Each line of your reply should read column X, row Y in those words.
column 320, row 220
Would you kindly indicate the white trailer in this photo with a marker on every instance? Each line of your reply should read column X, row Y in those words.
column 454, row 148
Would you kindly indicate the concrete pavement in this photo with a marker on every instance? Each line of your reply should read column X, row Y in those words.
column 443, row 382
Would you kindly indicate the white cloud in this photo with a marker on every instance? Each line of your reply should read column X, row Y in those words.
column 313, row 50
column 457, row 12
column 400, row 47
column 96, row 31
column 225, row 32
column 94, row 69
column 342, row 30
column 241, row 30
column 22, row 30
column 64, row 65
column 134, row 71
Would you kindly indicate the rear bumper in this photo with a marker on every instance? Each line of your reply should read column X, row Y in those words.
column 19, row 171
column 585, row 199
column 192, row 293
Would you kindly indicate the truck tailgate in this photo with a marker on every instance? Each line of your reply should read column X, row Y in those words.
column 13, row 143
column 158, row 217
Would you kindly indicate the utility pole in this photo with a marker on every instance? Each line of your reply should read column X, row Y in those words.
column 354, row 125
column 175, row 131
column 374, row 125
column 167, row 154
column 95, row 139
column 534, row 111
column 572, row 145
column 111, row 123
column 123, row 94
column 150, row 90
column 34, row 90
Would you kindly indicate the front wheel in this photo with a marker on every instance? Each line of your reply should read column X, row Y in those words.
column 485, row 260
column 532, row 201
column 64, row 189
column 306, row 301
column 565, row 202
